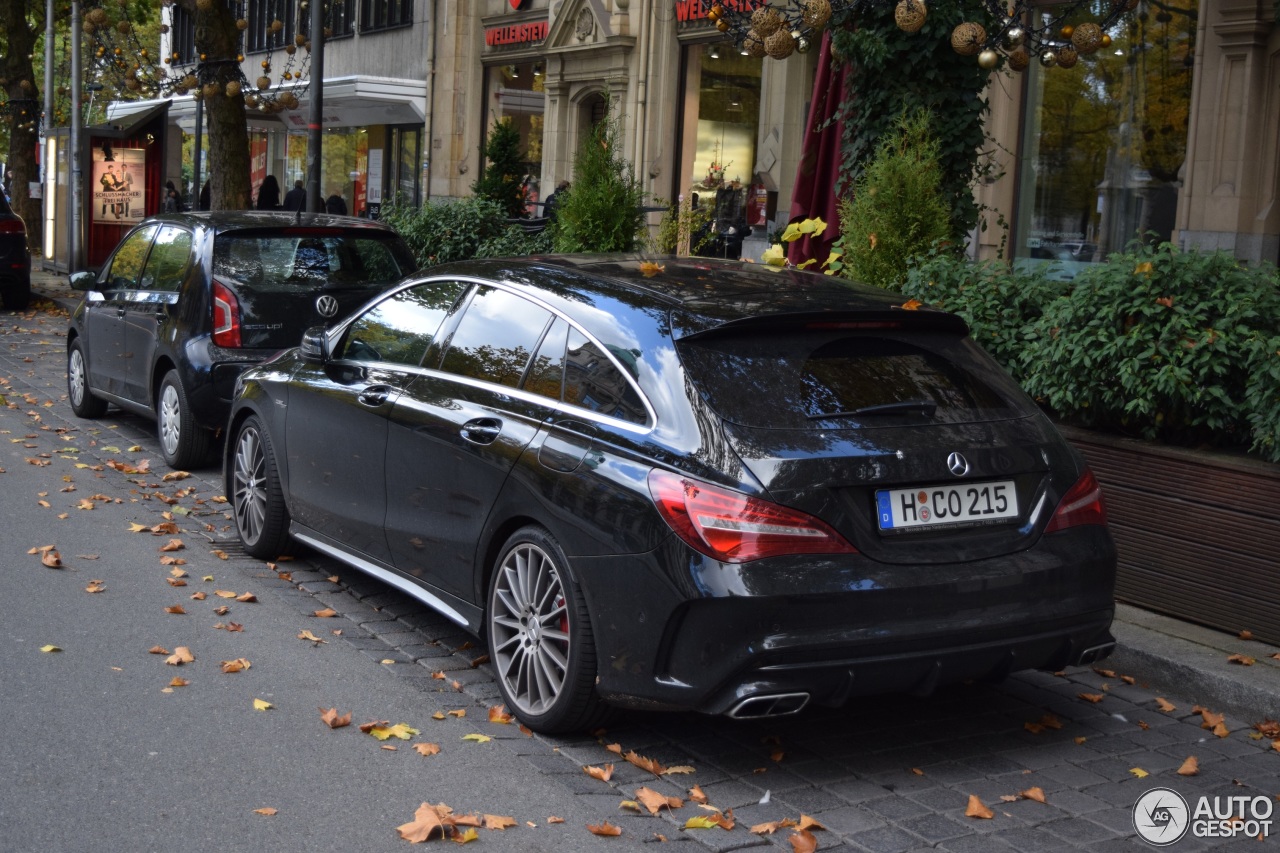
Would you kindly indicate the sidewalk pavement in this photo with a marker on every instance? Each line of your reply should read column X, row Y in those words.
column 1161, row 652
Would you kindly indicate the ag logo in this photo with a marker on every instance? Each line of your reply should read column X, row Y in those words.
column 1161, row 816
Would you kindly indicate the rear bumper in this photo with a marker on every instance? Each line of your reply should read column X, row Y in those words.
column 856, row 628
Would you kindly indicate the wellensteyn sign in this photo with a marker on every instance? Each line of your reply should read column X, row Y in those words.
column 516, row 34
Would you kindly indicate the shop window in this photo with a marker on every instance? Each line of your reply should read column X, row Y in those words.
column 1104, row 142
column 263, row 15
column 384, row 14
column 340, row 20
column 516, row 92
column 720, row 127
column 183, row 38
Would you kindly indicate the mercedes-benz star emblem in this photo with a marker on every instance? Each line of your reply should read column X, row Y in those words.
column 957, row 464
column 327, row 306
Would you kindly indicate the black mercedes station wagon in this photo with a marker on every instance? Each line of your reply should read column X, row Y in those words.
column 187, row 301
column 681, row 485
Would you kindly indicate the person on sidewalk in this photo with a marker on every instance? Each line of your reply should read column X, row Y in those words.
column 335, row 205
column 296, row 198
column 549, row 206
column 269, row 194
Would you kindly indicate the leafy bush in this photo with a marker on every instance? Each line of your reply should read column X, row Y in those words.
column 514, row 242
column 897, row 211
column 601, row 212
column 445, row 231
column 997, row 303
column 694, row 221
column 502, row 179
column 1182, row 347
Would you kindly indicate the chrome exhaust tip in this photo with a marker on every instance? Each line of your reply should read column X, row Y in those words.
column 769, row 705
column 1093, row 654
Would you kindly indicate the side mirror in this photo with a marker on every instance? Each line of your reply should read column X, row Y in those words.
column 314, row 346
column 84, row 281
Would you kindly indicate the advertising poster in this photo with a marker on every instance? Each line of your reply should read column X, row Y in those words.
column 119, row 186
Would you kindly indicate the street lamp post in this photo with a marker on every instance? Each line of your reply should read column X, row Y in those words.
column 315, row 118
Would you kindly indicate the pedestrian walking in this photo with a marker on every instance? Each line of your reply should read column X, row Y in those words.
column 336, row 205
column 172, row 198
column 269, row 194
column 296, row 198
column 553, row 201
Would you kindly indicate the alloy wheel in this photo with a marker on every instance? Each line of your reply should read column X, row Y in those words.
column 170, row 417
column 530, row 628
column 250, row 478
column 79, row 379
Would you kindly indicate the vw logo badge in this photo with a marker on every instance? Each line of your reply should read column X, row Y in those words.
column 327, row 306
column 957, row 464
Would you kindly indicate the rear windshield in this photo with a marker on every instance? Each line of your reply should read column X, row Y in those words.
column 272, row 261
column 833, row 380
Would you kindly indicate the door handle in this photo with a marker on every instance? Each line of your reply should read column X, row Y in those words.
column 374, row 395
column 481, row 430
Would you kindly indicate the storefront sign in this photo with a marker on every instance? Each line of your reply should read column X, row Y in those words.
column 688, row 11
column 119, row 194
column 516, row 34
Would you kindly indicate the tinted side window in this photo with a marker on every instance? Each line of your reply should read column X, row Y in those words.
column 593, row 382
column 401, row 328
column 272, row 262
column 126, row 266
column 546, row 375
column 495, row 337
column 168, row 261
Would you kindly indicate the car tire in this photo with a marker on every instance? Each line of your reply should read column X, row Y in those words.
column 540, row 638
column 17, row 298
column 83, row 401
column 183, row 443
column 257, row 500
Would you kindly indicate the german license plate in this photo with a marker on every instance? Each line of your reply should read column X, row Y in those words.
column 933, row 506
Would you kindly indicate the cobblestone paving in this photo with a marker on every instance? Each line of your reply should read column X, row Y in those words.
column 885, row 774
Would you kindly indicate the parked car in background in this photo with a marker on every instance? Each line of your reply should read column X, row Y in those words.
column 188, row 301
column 691, row 484
column 15, row 259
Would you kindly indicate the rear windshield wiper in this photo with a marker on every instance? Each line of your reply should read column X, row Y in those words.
column 905, row 407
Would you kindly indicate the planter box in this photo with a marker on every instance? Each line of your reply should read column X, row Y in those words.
column 1198, row 532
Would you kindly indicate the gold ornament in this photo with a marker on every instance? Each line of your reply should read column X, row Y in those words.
column 132, row 85
column 250, row 101
column 210, row 89
column 290, row 100
column 1067, row 56
column 1087, row 38
column 1067, row 31
column 765, row 22
column 753, row 45
column 780, row 45
column 909, row 15
column 715, row 12
column 967, row 38
column 1019, row 59
column 290, row 49
column 722, row 25
column 816, row 13
column 276, row 26
column 1048, row 59
column 204, row 5
column 299, row 39
column 98, row 15
column 264, row 83
column 123, row 28
column 233, row 88
column 190, row 81
column 242, row 23
column 1106, row 40
column 988, row 59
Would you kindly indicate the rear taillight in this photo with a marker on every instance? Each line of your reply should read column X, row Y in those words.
column 226, row 316
column 1083, row 504
column 12, row 226
column 736, row 528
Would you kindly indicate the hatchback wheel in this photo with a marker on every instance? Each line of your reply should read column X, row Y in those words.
column 182, row 443
column 83, row 401
column 540, row 636
column 262, row 518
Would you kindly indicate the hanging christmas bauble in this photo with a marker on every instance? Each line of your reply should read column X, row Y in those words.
column 1019, row 59
column 816, row 13
column 1013, row 37
column 242, row 23
column 1048, row 59
column 780, row 45
column 967, row 38
column 264, row 83
column 233, row 88
column 1067, row 56
column 752, row 44
column 1087, row 37
column 765, row 22
column 988, row 59
column 1106, row 40
column 909, row 15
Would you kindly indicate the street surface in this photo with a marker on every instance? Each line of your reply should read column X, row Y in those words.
column 103, row 750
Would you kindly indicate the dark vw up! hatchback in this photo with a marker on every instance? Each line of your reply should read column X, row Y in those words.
column 689, row 484
column 187, row 301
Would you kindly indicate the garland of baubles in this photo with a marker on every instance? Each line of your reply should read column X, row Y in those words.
column 781, row 29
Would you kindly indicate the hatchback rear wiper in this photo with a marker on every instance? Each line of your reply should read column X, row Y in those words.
column 923, row 407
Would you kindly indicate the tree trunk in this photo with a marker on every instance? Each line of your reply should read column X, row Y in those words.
column 17, row 75
column 227, row 129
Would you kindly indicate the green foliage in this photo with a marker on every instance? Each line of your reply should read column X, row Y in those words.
column 1181, row 347
column 601, row 212
column 897, row 211
column 515, row 242
column 502, row 179
column 895, row 72
column 448, row 231
column 694, row 221
column 997, row 303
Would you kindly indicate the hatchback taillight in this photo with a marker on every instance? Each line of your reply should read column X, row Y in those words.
column 12, row 226
column 226, row 316
column 737, row 528
column 1083, row 504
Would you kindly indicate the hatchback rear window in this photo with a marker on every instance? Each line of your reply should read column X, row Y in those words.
column 273, row 261
column 827, row 380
